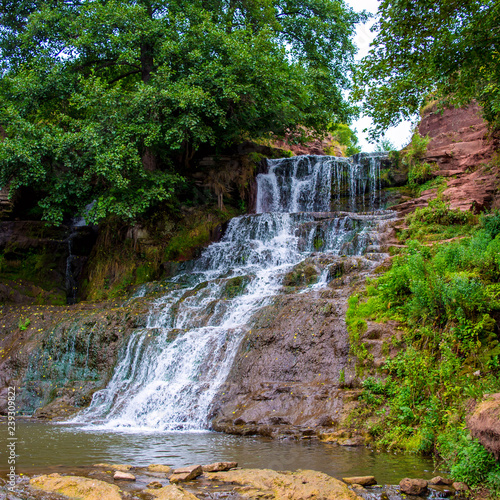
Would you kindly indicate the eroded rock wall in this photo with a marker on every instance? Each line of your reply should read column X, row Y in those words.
column 294, row 375
column 58, row 356
column 465, row 153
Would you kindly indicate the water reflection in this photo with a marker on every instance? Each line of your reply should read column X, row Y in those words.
column 45, row 445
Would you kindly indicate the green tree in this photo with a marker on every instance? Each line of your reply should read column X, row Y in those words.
column 449, row 47
column 110, row 99
column 345, row 138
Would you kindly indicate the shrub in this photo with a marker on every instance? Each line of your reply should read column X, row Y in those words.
column 446, row 298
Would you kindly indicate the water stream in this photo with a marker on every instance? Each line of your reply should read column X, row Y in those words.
column 170, row 371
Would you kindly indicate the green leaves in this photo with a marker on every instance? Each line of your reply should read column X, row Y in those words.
column 448, row 47
column 110, row 100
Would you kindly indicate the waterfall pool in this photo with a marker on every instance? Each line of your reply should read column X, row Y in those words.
column 43, row 448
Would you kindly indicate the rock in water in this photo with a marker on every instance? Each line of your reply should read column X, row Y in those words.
column 171, row 492
column 165, row 469
column 76, row 487
column 186, row 473
column 441, row 481
column 300, row 485
column 154, row 485
column 220, row 466
column 361, row 480
column 121, row 467
column 413, row 486
column 123, row 476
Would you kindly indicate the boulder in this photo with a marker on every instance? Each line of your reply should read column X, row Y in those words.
column 413, row 486
column 220, row 466
column 76, row 487
column 441, row 481
column 186, row 473
column 483, row 424
column 361, row 480
column 460, row 486
column 165, row 469
column 123, row 476
column 171, row 492
column 299, row 485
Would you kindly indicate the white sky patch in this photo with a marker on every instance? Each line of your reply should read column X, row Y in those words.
column 399, row 136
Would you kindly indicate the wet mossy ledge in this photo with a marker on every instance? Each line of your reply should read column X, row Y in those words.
column 58, row 356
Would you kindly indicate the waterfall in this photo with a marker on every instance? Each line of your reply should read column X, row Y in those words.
column 321, row 184
column 170, row 371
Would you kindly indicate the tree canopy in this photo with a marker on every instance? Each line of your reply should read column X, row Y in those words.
column 109, row 100
column 447, row 47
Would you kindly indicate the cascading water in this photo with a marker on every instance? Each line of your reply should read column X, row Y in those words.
column 321, row 184
column 171, row 370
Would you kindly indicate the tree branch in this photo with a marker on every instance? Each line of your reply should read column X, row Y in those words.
column 125, row 75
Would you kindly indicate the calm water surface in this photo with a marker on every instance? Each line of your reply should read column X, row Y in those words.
column 45, row 446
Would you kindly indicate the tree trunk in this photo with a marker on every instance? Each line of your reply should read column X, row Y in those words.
column 149, row 160
column 147, row 62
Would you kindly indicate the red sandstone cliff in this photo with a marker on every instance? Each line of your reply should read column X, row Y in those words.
column 467, row 156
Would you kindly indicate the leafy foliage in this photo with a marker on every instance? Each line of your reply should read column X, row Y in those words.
column 111, row 100
column 419, row 172
column 344, row 138
column 447, row 47
column 445, row 297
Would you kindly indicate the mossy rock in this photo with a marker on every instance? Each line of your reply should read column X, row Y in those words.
column 235, row 287
column 302, row 274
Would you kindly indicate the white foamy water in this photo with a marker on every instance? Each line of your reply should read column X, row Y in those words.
column 170, row 371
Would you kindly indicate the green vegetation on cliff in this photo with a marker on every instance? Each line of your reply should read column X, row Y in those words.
column 446, row 297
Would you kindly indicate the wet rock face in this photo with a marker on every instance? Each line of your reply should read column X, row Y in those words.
column 484, row 424
column 35, row 260
column 293, row 372
column 63, row 355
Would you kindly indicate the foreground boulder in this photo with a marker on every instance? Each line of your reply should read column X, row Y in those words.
column 186, row 473
column 76, row 487
column 171, row 492
column 300, row 485
column 413, row 486
column 484, row 424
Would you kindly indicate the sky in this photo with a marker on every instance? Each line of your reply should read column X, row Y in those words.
column 398, row 136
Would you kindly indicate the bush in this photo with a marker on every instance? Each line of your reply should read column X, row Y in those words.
column 419, row 171
column 468, row 460
column 446, row 298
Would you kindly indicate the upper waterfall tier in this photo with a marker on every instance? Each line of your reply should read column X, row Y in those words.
column 320, row 184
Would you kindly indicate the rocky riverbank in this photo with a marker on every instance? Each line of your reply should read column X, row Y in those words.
column 224, row 480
